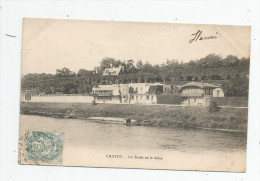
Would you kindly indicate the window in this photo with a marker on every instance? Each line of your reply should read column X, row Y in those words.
column 195, row 100
column 207, row 91
column 137, row 98
column 152, row 98
column 147, row 97
column 136, row 89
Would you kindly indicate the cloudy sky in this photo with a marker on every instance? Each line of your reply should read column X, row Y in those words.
column 50, row 44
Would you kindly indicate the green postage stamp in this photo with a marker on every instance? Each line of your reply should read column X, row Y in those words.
column 41, row 148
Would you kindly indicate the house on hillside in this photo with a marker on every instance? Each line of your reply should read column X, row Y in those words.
column 197, row 93
column 132, row 93
column 114, row 70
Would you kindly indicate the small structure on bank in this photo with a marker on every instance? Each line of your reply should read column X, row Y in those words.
column 26, row 95
column 218, row 92
column 198, row 93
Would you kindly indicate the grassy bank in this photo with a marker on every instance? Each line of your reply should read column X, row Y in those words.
column 231, row 101
column 157, row 115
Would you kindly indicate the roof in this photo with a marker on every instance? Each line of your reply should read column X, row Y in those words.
column 107, row 87
column 218, row 89
column 112, row 71
column 199, row 84
column 193, row 94
column 154, row 84
column 154, row 89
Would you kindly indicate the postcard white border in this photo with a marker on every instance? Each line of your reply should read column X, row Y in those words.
column 198, row 12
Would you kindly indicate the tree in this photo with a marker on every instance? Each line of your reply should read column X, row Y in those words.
column 48, row 90
column 108, row 62
column 83, row 72
column 213, row 107
column 210, row 61
column 231, row 60
column 98, row 70
column 236, row 86
column 130, row 68
column 148, row 68
column 70, row 88
column 64, row 72
column 139, row 64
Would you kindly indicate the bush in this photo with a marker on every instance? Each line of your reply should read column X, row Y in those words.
column 231, row 101
column 213, row 107
column 94, row 102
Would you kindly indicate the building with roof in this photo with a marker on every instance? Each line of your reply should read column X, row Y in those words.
column 218, row 92
column 143, row 93
column 197, row 93
column 114, row 70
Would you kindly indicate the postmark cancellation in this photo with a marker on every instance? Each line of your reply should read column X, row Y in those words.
column 37, row 147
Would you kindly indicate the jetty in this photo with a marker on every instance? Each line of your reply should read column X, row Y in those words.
column 113, row 120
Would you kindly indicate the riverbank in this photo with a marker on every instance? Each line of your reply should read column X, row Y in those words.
column 148, row 115
column 182, row 149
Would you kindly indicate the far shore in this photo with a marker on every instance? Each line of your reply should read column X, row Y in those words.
column 226, row 119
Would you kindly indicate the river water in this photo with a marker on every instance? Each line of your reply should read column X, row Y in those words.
column 116, row 138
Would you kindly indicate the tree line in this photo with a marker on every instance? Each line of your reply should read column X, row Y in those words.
column 231, row 72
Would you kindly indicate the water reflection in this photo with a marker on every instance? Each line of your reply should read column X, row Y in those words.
column 93, row 134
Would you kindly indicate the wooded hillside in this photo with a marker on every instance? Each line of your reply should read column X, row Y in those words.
column 230, row 72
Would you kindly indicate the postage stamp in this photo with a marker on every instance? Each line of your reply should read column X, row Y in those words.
column 41, row 147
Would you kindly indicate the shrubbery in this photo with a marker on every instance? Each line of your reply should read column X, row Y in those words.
column 213, row 107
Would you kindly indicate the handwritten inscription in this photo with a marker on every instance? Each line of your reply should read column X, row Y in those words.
column 198, row 36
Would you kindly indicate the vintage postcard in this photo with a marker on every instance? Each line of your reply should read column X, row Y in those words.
column 134, row 95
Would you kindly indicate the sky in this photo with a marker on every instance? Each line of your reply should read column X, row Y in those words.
column 50, row 44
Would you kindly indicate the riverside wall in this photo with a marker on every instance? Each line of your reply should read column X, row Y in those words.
column 62, row 99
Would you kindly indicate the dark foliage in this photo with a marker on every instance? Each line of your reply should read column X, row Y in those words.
column 213, row 107
column 237, row 86
column 70, row 88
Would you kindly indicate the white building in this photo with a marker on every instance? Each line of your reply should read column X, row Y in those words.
column 143, row 93
column 113, row 70
column 218, row 92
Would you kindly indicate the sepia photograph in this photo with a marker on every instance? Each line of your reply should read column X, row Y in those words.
column 143, row 95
